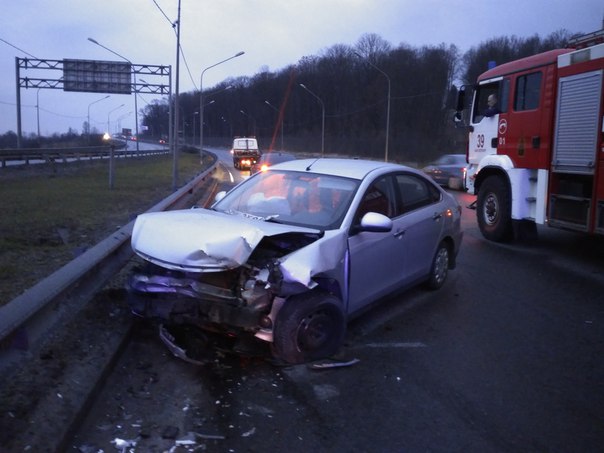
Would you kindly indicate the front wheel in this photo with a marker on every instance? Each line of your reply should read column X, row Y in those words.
column 309, row 327
column 493, row 210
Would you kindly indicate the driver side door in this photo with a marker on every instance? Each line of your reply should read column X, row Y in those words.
column 376, row 259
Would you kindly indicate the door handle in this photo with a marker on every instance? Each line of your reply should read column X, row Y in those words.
column 399, row 234
column 437, row 216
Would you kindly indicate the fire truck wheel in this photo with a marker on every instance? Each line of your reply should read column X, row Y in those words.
column 493, row 210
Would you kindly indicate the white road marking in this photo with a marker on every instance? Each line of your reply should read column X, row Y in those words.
column 396, row 345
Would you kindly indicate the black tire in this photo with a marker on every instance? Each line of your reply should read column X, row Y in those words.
column 440, row 267
column 309, row 327
column 493, row 210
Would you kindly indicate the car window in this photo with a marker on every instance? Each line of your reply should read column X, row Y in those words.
column 528, row 89
column 380, row 198
column 458, row 159
column 415, row 192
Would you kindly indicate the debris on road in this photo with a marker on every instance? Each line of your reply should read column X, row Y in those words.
column 332, row 363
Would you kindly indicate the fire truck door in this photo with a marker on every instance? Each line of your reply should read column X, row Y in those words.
column 524, row 131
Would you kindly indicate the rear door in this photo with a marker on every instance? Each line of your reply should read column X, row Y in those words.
column 422, row 220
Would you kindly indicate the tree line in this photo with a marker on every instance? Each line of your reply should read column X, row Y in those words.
column 348, row 87
column 338, row 100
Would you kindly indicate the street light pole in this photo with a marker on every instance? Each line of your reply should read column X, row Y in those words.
column 175, row 142
column 109, row 114
column 134, row 77
column 201, row 98
column 38, row 112
column 120, row 118
column 280, row 116
column 323, row 119
column 253, row 120
column 98, row 100
column 388, row 104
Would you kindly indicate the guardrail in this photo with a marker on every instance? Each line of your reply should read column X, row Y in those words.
column 28, row 155
column 24, row 319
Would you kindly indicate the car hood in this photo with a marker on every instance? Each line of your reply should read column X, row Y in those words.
column 201, row 240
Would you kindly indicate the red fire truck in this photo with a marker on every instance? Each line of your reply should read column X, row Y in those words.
column 536, row 150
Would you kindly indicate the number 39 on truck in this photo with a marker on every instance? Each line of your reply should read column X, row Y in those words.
column 535, row 149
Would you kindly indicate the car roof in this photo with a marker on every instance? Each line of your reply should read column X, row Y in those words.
column 459, row 157
column 348, row 168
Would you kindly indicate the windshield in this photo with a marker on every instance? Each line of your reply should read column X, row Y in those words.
column 296, row 198
column 245, row 143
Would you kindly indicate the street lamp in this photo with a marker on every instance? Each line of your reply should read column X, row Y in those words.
column 109, row 114
column 120, row 118
column 388, row 104
column 323, row 119
column 98, row 100
column 201, row 98
column 196, row 113
column 134, row 77
column 38, row 111
column 280, row 116
column 253, row 120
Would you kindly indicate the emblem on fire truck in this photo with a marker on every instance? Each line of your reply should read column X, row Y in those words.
column 503, row 126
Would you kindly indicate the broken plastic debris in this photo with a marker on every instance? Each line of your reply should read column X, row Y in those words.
column 210, row 436
column 123, row 443
column 332, row 363
column 249, row 433
column 189, row 439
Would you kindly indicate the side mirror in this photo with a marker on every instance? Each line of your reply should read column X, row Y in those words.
column 377, row 223
column 461, row 102
column 461, row 99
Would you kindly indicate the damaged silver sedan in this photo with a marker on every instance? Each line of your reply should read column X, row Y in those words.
column 291, row 254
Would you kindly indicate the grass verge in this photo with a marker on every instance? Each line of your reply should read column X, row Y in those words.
column 50, row 214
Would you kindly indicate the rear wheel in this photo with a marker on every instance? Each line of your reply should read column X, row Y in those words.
column 440, row 267
column 308, row 327
column 493, row 210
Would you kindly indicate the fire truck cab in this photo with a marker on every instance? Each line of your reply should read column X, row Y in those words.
column 535, row 151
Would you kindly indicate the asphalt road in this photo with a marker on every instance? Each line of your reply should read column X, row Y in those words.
column 507, row 356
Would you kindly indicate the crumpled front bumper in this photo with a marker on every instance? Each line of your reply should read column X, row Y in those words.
column 186, row 301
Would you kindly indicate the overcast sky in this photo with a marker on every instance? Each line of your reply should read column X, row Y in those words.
column 272, row 33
